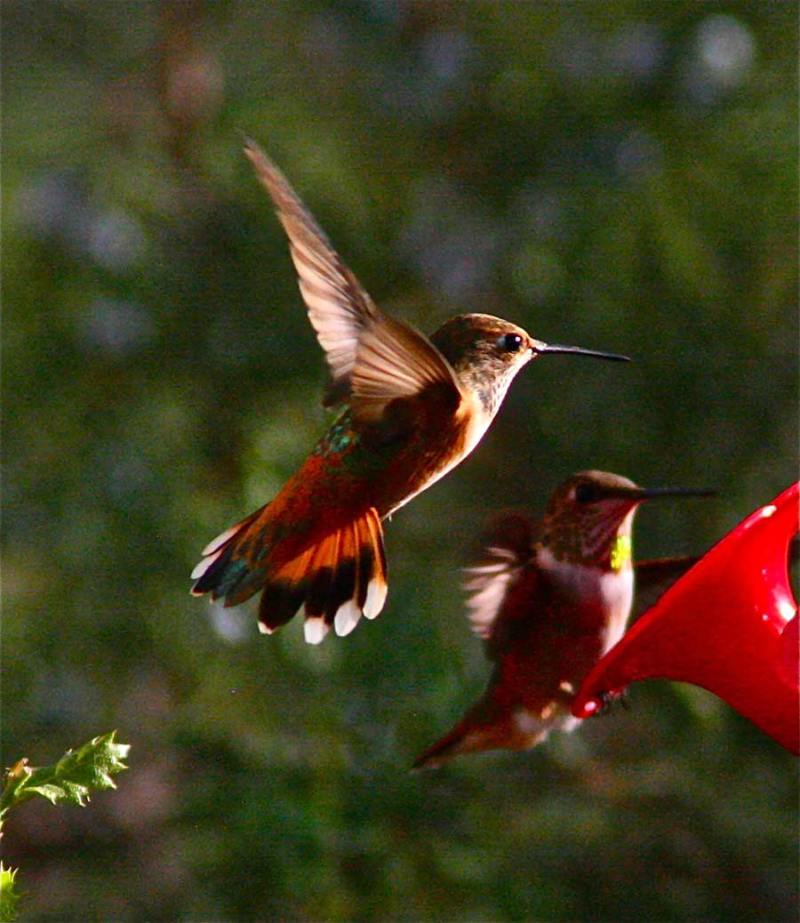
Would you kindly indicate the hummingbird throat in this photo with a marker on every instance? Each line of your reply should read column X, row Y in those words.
column 621, row 552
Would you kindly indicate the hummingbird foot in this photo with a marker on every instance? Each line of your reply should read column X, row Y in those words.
column 608, row 701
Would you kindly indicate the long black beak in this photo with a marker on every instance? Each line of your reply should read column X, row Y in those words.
column 541, row 347
column 650, row 493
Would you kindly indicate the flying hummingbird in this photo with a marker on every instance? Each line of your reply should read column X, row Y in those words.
column 411, row 408
column 549, row 599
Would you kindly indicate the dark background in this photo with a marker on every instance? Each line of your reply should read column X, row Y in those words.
column 620, row 175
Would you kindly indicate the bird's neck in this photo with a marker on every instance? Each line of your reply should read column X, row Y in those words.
column 603, row 595
column 603, row 546
column 486, row 386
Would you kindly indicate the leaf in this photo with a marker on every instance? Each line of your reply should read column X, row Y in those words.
column 71, row 779
column 53, row 793
column 9, row 897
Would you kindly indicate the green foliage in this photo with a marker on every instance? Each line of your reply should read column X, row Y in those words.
column 9, row 896
column 620, row 175
column 71, row 779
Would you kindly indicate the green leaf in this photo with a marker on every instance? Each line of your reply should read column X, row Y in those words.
column 51, row 792
column 71, row 779
column 8, row 895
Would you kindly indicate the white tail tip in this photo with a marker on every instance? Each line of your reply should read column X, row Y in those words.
column 220, row 540
column 202, row 566
column 315, row 630
column 376, row 597
column 347, row 616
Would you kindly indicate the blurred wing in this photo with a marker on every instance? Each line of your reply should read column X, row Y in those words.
column 373, row 358
column 654, row 578
column 506, row 551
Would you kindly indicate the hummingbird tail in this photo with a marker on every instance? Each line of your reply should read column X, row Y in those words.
column 331, row 583
column 481, row 728
column 466, row 737
column 332, row 579
column 443, row 750
column 491, row 725
column 224, row 573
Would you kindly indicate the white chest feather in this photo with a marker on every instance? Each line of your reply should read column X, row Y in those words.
column 611, row 591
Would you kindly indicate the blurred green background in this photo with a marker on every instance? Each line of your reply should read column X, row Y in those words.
column 620, row 175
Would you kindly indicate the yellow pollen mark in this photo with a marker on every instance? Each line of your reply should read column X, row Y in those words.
column 621, row 552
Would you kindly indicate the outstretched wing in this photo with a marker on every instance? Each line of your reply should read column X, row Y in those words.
column 373, row 359
column 489, row 583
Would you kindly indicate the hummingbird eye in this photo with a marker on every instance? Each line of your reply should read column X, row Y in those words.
column 510, row 342
column 585, row 493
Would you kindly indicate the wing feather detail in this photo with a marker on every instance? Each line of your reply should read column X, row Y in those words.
column 338, row 306
column 393, row 361
column 373, row 359
column 505, row 554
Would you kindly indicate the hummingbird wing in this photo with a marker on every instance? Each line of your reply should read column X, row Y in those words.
column 654, row 578
column 501, row 586
column 373, row 359
column 507, row 547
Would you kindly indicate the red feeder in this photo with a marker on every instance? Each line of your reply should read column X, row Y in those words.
column 730, row 625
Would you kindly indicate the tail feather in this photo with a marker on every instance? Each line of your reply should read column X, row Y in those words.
column 332, row 581
column 490, row 725
column 278, row 604
column 444, row 749
column 224, row 570
column 470, row 735
column 375, row 564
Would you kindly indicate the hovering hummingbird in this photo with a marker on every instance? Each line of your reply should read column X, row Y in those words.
column 411, row 409
column 549, row 599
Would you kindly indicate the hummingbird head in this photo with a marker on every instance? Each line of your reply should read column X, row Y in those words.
column 590, row 516
column 487, row 352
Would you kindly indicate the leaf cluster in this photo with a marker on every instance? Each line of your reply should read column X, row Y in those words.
column 68, row 781
column 71, row 779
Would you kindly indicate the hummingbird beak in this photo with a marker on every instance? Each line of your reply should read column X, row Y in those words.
column 539, row 347
column 650, row 493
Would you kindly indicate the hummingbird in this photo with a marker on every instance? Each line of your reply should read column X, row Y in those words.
column 548, row 599
column 410, row 409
